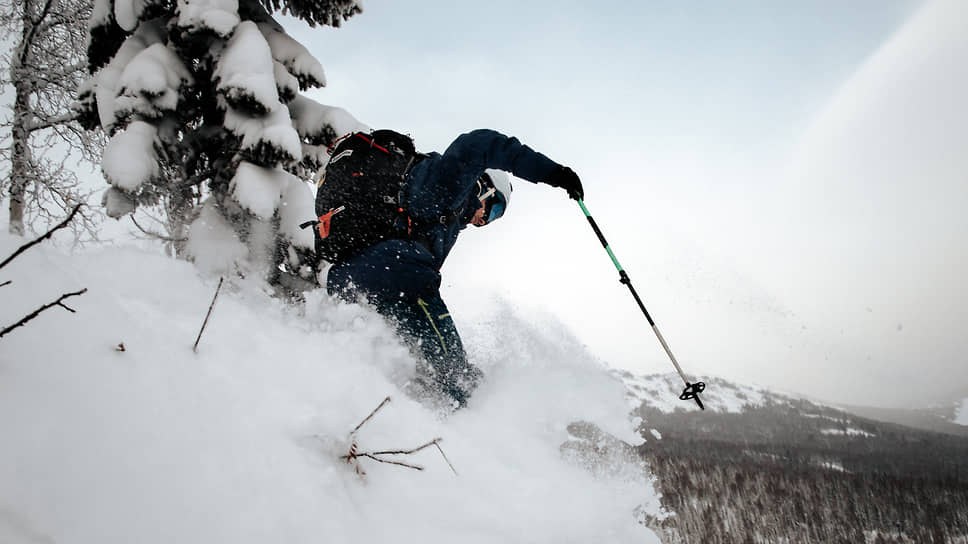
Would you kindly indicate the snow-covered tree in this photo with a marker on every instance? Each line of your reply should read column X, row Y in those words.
column 201, row 100
column 41, row 135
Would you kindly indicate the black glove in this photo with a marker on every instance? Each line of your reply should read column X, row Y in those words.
column 567, row 179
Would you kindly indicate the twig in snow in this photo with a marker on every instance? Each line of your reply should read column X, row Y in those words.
column 35, row 313
column 387, row 461
column 373, row 413
column 354, row 455
column 407, row 452
column 204, row 323
column 6, row 283
column 444, row 455
column 49, row 233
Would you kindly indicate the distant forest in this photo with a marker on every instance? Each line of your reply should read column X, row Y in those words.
column 804, row 473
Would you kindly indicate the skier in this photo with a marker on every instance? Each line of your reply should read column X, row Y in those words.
column 401, row 277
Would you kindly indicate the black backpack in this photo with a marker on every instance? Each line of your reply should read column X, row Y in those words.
column 358, row 199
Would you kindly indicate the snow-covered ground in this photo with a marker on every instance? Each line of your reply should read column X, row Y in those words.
column 961, row 413
column 241, row 441
column 661, row 391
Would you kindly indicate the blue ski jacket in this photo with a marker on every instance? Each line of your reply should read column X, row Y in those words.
column 441, row 199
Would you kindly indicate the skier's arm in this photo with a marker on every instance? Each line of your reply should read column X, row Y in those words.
column 480, row 149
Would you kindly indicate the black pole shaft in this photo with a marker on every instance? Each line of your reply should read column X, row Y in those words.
column 691, row 391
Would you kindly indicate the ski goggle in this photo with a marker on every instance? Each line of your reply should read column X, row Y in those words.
column 494, row 206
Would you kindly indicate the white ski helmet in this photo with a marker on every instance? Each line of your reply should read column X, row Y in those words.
column 497, row 203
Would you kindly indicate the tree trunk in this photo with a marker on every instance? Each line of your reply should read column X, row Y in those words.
column 20, row 157
column 20, row 131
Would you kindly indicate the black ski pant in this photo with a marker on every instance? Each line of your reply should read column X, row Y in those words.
column 425, row 324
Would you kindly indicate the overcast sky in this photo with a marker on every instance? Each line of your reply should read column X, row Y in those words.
column 783, row 181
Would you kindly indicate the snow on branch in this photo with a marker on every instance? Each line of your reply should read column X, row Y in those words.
column 318, row 12
column 101, row 15
column 286, row 84
column 213, row 244
column 128, row 13
column 319, row 124
column 107, row 80
column 118, row 203
column 296, row 207
column 294, row 56
column 259, row 189
column 130, row 159
column 219, row 16
column 269, row 139
column 150, row 83
column 245, row 74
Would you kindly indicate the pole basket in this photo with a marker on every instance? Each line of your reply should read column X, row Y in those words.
column 691, row 392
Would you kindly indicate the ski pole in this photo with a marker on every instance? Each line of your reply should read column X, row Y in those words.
column 692, row 390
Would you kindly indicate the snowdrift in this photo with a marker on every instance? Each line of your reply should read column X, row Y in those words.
column 240, row 442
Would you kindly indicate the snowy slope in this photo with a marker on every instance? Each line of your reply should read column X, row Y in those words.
column 661, row 391
column 961, row 413
column 240, row 442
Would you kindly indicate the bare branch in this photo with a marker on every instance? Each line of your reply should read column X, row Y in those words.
column 407, row 452
column 390, row 461
column 217, row 289
column 35, row 313
column 61, row 119
column 50, row 233
column 354, row 454
column 373, row 413
column 444, row 455
column 6, row 283
column 155, row 234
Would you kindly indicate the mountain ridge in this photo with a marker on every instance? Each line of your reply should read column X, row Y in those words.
column 661, row 392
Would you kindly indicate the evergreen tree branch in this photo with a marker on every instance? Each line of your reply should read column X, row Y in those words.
column 46, row 236
column 35, row 313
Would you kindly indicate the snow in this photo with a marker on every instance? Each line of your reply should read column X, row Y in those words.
column 129, row 158
column 245, row 70
column 108, row 78
column 212, row 243
column 247, row 77
column 294, row 56
column 310, row 118
column 661, row 391
column 127, row 12
column 286, row 83
column 832, row 465
column 220, row 16
column 151, row 81
column 961, row 414
column 849, row 431
column 240, row 442
column 100, row 14
column 259, row 189
column 274, row 130
column 296, row 207
column 118, row 203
